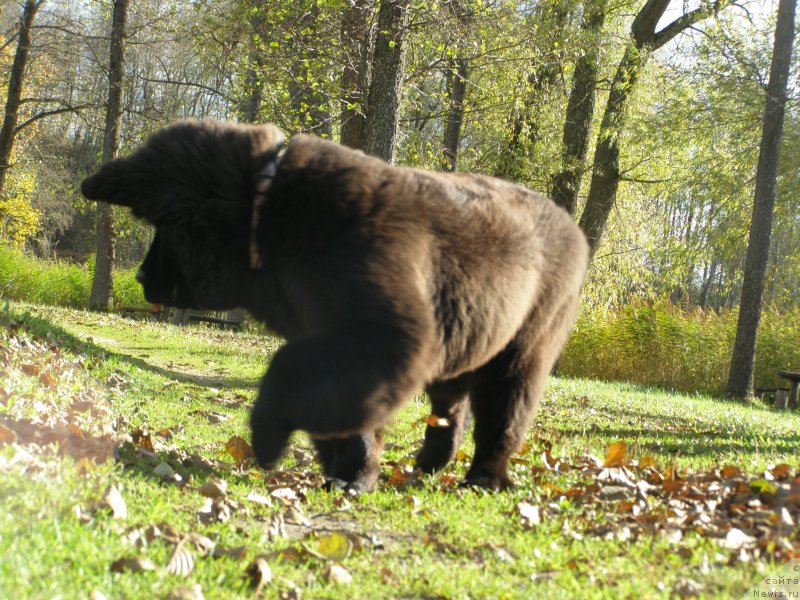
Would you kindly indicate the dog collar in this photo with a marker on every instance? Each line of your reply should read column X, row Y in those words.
column 263, row 183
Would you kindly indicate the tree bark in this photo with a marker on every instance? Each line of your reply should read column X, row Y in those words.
column 456, row 92
column 357, row 41
column 644, row 39
column 386, row 87
column 102, row 294
column 580, row 111
column 9, row 129
column 740, row 377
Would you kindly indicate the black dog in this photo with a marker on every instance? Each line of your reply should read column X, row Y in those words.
column 383, row 280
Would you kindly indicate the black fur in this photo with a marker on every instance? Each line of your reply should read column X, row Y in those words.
column 383, row 280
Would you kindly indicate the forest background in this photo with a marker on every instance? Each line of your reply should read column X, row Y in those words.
column 642, row 119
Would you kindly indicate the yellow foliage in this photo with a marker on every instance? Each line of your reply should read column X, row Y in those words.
column 19, row 220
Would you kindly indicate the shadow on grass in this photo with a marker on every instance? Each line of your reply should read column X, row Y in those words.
column 43, row 327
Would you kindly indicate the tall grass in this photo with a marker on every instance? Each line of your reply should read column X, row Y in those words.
column 59, row 283
column 663, row 345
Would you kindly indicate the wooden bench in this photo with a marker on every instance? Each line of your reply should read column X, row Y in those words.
column 794, row 378
column 780, row 395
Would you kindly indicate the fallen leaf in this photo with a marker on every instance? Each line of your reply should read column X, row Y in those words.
column 256, row 498
column 258, row 574
column 194, row 592
column 239, row 449
column 781, row 471
column 114, row 501
column 217, row 488
column 729, row 471
column 338, row 574
column 47, row 379
column 737, row 539
column 29, row 369
column 616, row 455
column 530, row 514
column 181, row 563
column 133, row 564
column 166, row 472
column 437, row 422
column 293, row 516
column 7, row 436
column 237, row 553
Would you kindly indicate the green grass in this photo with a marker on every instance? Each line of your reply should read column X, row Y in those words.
column 431, row 541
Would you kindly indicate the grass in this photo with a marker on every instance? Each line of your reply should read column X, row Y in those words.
column 432, row 540
column 60, row 283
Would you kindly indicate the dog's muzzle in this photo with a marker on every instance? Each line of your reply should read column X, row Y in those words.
column 140, row 276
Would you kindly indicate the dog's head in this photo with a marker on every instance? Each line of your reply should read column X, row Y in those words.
column 195, row 182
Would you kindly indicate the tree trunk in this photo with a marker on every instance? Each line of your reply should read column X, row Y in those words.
column 102, row 295
column 9, row 129
column 644, row 39
column 456, row 91
column 740, row 377
column 580, row 111
column 254, row 86
column 307, row 95
column 357, row 38
column 523, row 127
column 386, row 87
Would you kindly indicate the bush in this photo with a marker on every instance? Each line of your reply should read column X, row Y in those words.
column 663, row 345
column 59, row 283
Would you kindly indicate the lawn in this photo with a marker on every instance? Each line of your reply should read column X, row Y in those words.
column 123, row 472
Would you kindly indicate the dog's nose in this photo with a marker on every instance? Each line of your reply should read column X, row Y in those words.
column 140, row 276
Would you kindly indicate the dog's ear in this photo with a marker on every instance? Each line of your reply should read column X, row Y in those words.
column 110, row 184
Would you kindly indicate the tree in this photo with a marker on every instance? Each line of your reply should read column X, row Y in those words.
column 102, row 294
column 740, row 377
column 14, row 97
column 643, row 41
column 357, row 43
column 386, row 87
column 580, row 110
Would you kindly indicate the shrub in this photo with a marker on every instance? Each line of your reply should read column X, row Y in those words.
column 59, row 283
column 663, row 345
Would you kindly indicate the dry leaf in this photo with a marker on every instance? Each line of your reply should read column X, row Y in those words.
column 258, row 573
column 293, row 516
column 114, row 501
column 237, row 553
column 729, row 471
column 194, row 592
column 338, row 574
column 258, row 499
column 616, row 455
column 217, row 488
column 134, row 564
column 529, row 514
column 7, row 436
column 239, row 449
column 781, row 471
column 47, row 379
column 202, row 544
column 437, row 422
column 181, row 563
column 30, row 369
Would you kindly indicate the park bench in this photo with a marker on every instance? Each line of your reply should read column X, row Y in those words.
column 790, row 399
